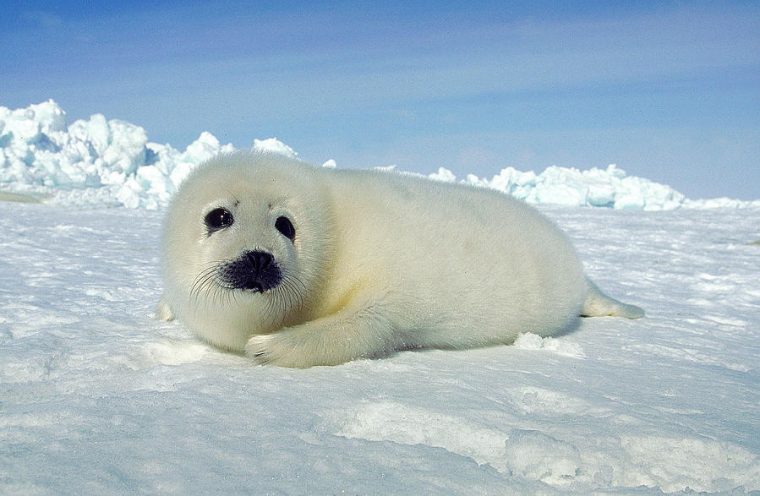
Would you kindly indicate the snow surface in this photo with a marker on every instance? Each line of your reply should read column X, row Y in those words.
column 98, row 398
column 111, row 162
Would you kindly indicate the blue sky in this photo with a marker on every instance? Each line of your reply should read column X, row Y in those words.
column 667, row 90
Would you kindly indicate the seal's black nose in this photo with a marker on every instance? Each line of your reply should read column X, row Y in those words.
column 259, row 260
column 255, row 271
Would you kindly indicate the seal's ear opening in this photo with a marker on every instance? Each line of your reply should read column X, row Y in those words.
column 285, row 227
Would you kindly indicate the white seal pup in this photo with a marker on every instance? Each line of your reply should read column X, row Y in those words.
column 300, row 266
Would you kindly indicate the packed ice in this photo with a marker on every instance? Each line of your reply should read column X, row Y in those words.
column 112, row 162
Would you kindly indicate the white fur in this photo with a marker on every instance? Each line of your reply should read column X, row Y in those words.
column 381, row 262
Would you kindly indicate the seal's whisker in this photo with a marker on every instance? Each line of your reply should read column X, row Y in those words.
column 206, row 282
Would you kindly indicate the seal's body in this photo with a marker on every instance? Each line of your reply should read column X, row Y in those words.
column 303, row 266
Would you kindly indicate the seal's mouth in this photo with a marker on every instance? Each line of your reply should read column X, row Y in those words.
column 253, row 271
column 254, row 287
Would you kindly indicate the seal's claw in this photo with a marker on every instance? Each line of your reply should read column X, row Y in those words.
column 256, row 348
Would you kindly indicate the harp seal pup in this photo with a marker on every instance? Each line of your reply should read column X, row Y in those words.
column 300, row 266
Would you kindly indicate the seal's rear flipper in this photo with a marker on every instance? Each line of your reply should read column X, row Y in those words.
column 598, row 304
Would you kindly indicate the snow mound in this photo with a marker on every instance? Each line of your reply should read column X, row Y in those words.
column 610, row 188
column 111, row 162
column 530, row 341
column 273, row 145
column 94, row 161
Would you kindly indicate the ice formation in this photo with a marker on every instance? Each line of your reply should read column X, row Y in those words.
column 101, row 161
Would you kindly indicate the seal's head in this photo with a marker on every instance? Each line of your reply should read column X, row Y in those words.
column 244, row 244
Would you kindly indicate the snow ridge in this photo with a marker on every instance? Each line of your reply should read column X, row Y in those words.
column 111, row 162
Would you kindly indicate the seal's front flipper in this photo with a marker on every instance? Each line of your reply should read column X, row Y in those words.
column 164, row 311
column 346, row 335
column 598, row 304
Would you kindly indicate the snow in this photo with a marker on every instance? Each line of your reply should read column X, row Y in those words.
column 92, row 162
column 273, row 145
column 96, row 397
column 100, row 162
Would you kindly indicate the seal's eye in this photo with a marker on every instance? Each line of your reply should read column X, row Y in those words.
column 285, row 227
column 217, row 219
